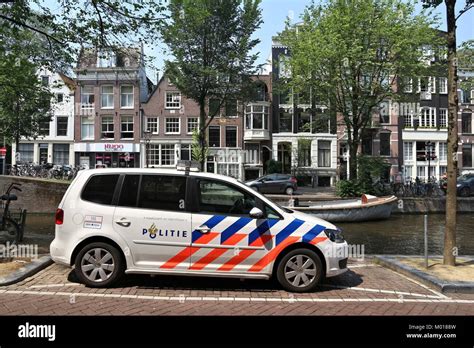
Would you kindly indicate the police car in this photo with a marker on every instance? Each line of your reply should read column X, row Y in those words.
column 182, row 222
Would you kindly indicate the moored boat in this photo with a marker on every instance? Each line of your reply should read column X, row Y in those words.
column 366, row 208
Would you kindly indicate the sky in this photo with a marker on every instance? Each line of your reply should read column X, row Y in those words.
column 275, row 13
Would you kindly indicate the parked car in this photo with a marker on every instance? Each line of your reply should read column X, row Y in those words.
column 165, row 221
column 274, row 183
column 465, row 185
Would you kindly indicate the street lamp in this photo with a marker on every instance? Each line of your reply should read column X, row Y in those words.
column 429, row 153
column 147, row 136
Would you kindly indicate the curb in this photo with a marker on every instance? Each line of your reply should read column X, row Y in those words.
column 33, row 267
column 443, row 286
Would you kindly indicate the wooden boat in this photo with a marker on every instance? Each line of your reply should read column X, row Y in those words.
column 366, row 208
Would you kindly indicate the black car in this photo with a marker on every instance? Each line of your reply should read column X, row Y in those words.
column 274, row 183
column 465, row 185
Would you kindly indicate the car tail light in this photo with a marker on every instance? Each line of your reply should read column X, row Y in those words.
column 293, row 180
column 59, row 216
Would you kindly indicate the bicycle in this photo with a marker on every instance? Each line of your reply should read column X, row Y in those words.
column 11, row 231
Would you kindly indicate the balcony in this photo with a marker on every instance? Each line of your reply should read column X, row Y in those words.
column 256, row 134
column 425, row 95
column 87, row 109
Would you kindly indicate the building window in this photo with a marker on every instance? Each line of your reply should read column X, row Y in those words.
column 172, row 125
column 214, row 107
column 126, row 96
column 407, row 85
column 231, row 108
column 443, row 170
column 304, row 153
column 421, row 172
column 193, row 124
column 443, row 85
column 106, row 59
column 45, row 81
column 107, row 127
column 126, row 127
column 231, row 136
column 408, row 151
column 59, row 97
column 229, row 169
column 408, row 172
column 185, row 153
column 167, row 154
column 107, row 97
column 286, row 122
column 214, row 136
column 443, row 151
column 443, row 118
column 61, row 153
column 467, row 155
column 466, row 125
column 152, row 125
column 44, row 127
column 87, row 128
column 61, row 126
column 324, row 153
column 427, row 117
column 256, row 117
column 26, row 152
column 153, row 155
column 87, row 97
column 173, row 100
column 384, row 144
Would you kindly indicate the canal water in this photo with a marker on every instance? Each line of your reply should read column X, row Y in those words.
column 401, row 234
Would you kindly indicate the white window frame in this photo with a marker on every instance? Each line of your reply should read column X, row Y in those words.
column 83, row 93
column 128, row 94
column 443, row 85
column 427, row 120
column 408, row 87
column 408, row 151
column 443, row 120
column 57, row 125
column 188, row 123
column 443, row 155
column 128, row 123
column 102, row 94
column 175, row 98
column 108, row 117
column 179, row 125
column 89, row 123
column 148, row 118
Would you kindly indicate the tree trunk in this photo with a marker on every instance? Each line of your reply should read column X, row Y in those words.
column 202, row 133
column 353, row 143
column 449, row 254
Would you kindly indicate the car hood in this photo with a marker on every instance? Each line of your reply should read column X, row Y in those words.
column 311, row 219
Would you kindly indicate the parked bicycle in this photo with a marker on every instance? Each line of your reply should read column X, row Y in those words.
column 11, row 227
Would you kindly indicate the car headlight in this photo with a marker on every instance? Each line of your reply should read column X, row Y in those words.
column 334, row 235
column 458, row 185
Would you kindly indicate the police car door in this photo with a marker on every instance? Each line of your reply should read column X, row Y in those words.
column 225, row 238
column 154, row 223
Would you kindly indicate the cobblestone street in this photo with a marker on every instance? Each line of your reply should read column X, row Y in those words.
column 367, row 289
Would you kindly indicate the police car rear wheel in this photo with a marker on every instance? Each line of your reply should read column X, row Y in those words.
column 99, row 265
column 299, row 271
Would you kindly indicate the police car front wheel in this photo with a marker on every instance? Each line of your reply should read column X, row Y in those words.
column 300, row 270
column 99, row 265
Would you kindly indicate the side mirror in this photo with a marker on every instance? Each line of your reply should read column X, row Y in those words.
column 256, row 213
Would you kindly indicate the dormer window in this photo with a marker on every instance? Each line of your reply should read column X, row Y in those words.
column 106, row 59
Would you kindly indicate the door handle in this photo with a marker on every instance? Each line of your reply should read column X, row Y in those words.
column 203, row 229
column 123, row 222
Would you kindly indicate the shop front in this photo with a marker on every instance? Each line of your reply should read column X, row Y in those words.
column 107, row 155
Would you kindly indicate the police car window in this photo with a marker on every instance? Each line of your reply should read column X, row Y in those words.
column 100, row 189
column 218, row 197
column 271, row 213
column 128, row 195
column 162, row 192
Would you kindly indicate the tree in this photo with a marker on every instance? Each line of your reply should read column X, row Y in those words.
column 24, row 102
column 449, row 252
column 352, row 53
column 210, row 41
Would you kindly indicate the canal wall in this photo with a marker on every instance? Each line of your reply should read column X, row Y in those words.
column 431, row 205
column 37, row 196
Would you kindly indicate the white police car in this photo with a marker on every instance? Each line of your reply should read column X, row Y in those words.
column 159, row 221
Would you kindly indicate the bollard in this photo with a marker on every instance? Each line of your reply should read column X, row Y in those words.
column 426, row 239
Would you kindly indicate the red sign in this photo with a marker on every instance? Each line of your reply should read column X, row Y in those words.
column 113, row 147
column 3, row 151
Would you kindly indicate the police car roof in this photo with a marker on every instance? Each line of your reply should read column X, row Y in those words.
column 168, row 171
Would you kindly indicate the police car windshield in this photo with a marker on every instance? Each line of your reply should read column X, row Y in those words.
column 283, row 208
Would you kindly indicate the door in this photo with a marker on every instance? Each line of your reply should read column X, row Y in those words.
column 155, row 224
column 225, row 238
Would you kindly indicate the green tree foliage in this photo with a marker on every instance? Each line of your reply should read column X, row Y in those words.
column 211, row 41
column 351, row 52
column 24, row 102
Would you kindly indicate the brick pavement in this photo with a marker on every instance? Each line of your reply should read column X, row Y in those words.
column 367, row 289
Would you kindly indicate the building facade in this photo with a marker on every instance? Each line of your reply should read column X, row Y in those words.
column 466, row 123
column 56, row 144
column 111, row 87
column 304, row 141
